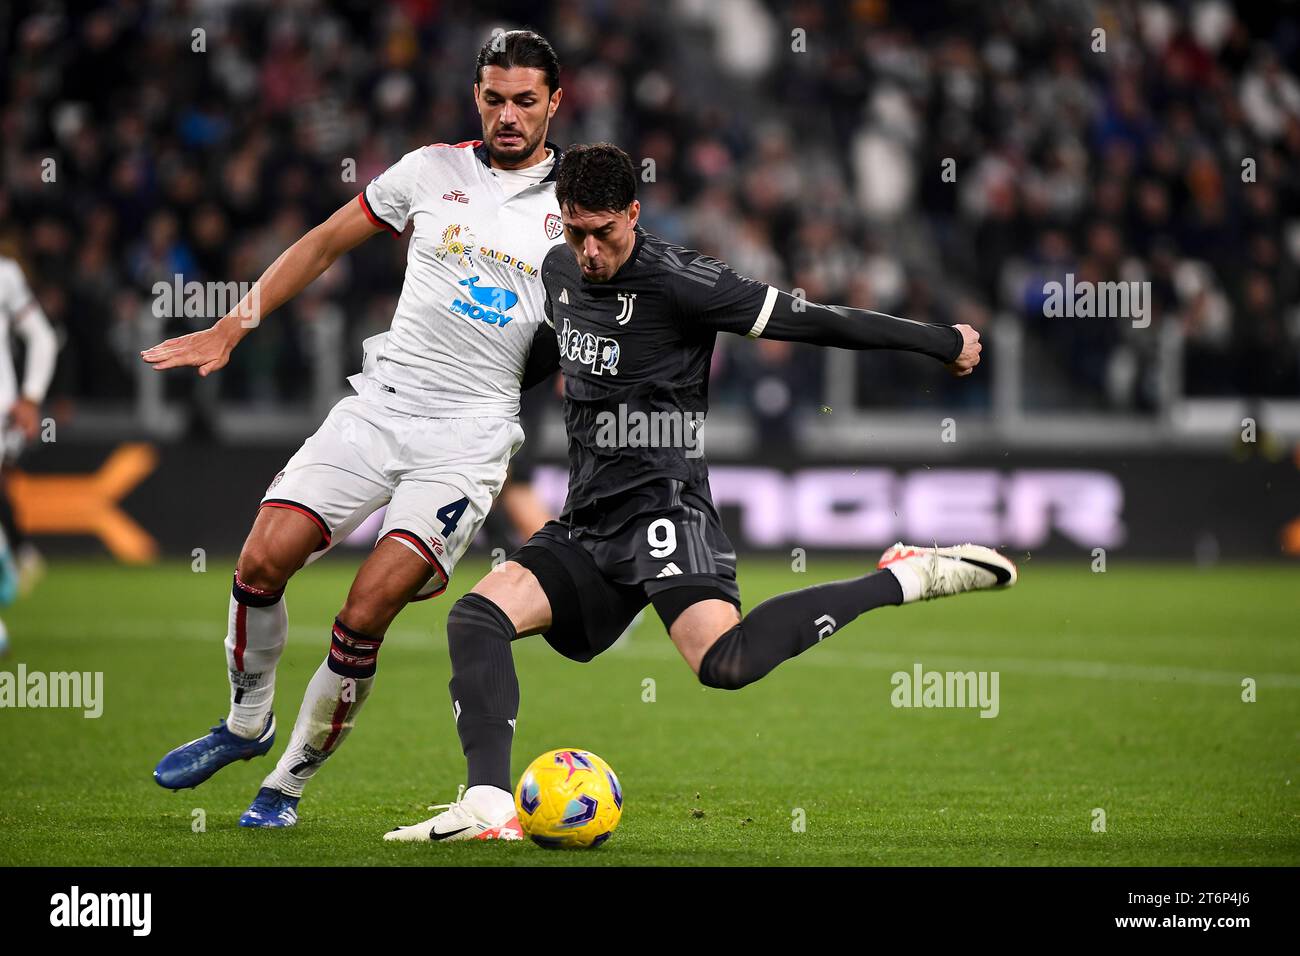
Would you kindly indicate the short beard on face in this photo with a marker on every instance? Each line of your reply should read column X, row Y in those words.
column 508, row 157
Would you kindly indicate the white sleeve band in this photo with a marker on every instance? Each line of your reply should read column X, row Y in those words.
column 42, row 351
column 764, row 313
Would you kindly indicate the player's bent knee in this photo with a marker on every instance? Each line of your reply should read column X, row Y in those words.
column 723, row 665
column 259, row 567
column 370, row 614
column 279, row 544
column 518, row 594
column 475, row 614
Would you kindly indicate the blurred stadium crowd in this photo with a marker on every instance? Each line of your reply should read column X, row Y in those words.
column 816, row 167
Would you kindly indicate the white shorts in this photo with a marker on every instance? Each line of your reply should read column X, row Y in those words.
column 438, row 477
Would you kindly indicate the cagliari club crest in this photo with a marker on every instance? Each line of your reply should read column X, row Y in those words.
column 553, row 226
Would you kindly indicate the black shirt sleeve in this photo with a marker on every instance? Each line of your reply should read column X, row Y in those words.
column 714, row 298
column 797, row 320
column 543, row 357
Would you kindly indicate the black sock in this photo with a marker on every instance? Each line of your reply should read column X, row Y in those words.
column 788, row 624
column 484, row 688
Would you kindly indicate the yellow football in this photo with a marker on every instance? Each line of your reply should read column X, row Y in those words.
column 569, row 798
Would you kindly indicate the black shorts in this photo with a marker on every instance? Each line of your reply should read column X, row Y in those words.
column 661, row 542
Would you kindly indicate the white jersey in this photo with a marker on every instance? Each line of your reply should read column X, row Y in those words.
column 20, row 313
column 472, row 299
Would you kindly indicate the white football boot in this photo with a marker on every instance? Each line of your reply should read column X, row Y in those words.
column 484, row 813
column 925, row 573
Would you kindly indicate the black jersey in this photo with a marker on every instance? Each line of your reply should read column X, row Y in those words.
column 635, row 352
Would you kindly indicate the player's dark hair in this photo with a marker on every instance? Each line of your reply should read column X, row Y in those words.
column 519, row 48
column 595, row 177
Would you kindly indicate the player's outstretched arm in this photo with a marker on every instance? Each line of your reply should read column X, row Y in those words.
column 297, row 267
column 794, row 320
column 711, row 294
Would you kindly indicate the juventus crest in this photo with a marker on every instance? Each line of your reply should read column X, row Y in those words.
column 627, row 301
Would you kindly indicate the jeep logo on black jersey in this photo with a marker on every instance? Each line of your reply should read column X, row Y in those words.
column 595, row 351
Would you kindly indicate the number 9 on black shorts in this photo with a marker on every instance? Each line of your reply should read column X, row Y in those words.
column 604, row 562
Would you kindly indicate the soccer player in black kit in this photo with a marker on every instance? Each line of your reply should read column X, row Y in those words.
column 635, row 319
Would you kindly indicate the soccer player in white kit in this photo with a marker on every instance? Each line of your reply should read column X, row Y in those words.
column 20, row 409
column 429, row 432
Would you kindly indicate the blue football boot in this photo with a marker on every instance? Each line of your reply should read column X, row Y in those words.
column 271, row 809
column 192, row 763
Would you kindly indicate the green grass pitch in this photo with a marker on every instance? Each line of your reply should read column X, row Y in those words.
column 1120, row 691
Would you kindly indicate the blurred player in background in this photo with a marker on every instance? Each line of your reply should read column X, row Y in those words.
column 636, row 319
column 20, row 409
column 430, row 432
